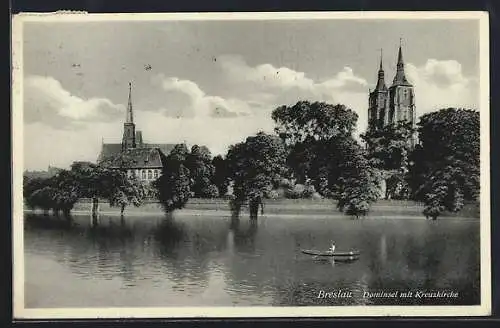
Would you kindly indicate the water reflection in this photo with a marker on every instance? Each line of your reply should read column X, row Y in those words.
column 243, row 235
column 164, row 261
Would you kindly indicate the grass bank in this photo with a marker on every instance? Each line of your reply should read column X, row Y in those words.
column 306, row 207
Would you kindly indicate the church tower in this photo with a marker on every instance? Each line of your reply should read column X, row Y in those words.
column 402, row 98
column 394, row 104
column 128, row 140
column 378, row 101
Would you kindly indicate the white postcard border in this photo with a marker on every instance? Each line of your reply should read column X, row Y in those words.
column 20, row 312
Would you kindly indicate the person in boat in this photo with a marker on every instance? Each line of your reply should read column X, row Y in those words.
column 332, row 248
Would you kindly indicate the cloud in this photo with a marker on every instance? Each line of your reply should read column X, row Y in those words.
column 46, row 101
column 441, row 83
column 265, row 87
column 187, row 100
column 279, row 80
column 245, row 97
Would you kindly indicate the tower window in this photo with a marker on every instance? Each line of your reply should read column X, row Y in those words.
column 156, row 174
column 150, row 175
column 144, row 174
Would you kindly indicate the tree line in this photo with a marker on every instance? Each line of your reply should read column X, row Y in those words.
column 313, row 154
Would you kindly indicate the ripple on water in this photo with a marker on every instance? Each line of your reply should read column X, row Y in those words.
column 211, row 261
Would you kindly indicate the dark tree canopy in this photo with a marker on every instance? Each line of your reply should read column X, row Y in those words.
column 221, row 175
column 317, row 120
column 255, row 164
column 179, row 153
column 389, row 147
column 202, row 171
column 129, row 191
column 389, row 150
column 358, row 182
column 307, row 128
column 446, row 166
column 83, row 180
column 174, row 184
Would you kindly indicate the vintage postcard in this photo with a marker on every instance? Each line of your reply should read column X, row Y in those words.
column 251, row 165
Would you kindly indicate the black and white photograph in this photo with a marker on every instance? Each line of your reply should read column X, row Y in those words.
column 251, row 165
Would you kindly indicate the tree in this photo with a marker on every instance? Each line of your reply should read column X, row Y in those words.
column 100, row 182
column 56, row 193
column 389, row 149
column 42, row 198
column 302, row 157
column 84, row 180
column 221, row 174
column 318, row 120
column 446, row 165
column 305, row 128
column 347, row 175
column 202, row 171
column 358, row 185
column 255, row 164
column 30, row 187
column 129, row 192
column 174, row 184
column 66, row 191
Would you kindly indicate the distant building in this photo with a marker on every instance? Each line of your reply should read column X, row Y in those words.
column 142, row 160
column 393, row 104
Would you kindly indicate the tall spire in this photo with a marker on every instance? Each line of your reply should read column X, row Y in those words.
column 381, row 76
column 130, row 114
column 400, row 77
column 381, row 57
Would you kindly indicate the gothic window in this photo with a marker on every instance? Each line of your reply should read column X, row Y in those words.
column 150, row 175
column 144, row 174
column 156, row 174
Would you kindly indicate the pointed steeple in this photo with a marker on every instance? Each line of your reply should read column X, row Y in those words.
column 381, row 76
column 381, row 59
column 400, row 77
column 128, row 140
column 130, row 113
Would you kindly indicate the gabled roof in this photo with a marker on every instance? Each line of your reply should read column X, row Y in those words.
column 109, row 150
column 165, row 148
column 147, row 156
column 136, row 158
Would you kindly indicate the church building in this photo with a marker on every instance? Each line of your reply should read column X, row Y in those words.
column 141, row 160
column 394, row 104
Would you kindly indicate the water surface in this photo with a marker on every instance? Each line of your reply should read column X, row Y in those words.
column 215, row 261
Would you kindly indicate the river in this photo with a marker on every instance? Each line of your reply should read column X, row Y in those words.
column 209, row 260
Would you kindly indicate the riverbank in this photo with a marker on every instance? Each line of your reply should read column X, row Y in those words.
column 283, row 207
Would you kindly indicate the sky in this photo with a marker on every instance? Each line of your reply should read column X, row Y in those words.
column 214, row 83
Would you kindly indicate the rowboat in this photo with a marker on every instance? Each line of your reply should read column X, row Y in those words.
column 330, row 253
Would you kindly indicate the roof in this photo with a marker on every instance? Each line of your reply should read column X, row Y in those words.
column 165, row 148
column 109, row 150
column 400, row 77
column 136, row 158
column 148, row 155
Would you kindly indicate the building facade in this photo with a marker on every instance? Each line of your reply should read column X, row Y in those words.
column 390, row 105
column 143, row 161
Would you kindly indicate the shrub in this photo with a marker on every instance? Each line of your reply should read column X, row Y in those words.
column 295, row 192
column 272, row 194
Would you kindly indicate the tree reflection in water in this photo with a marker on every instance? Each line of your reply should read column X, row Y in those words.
column 244, row 262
